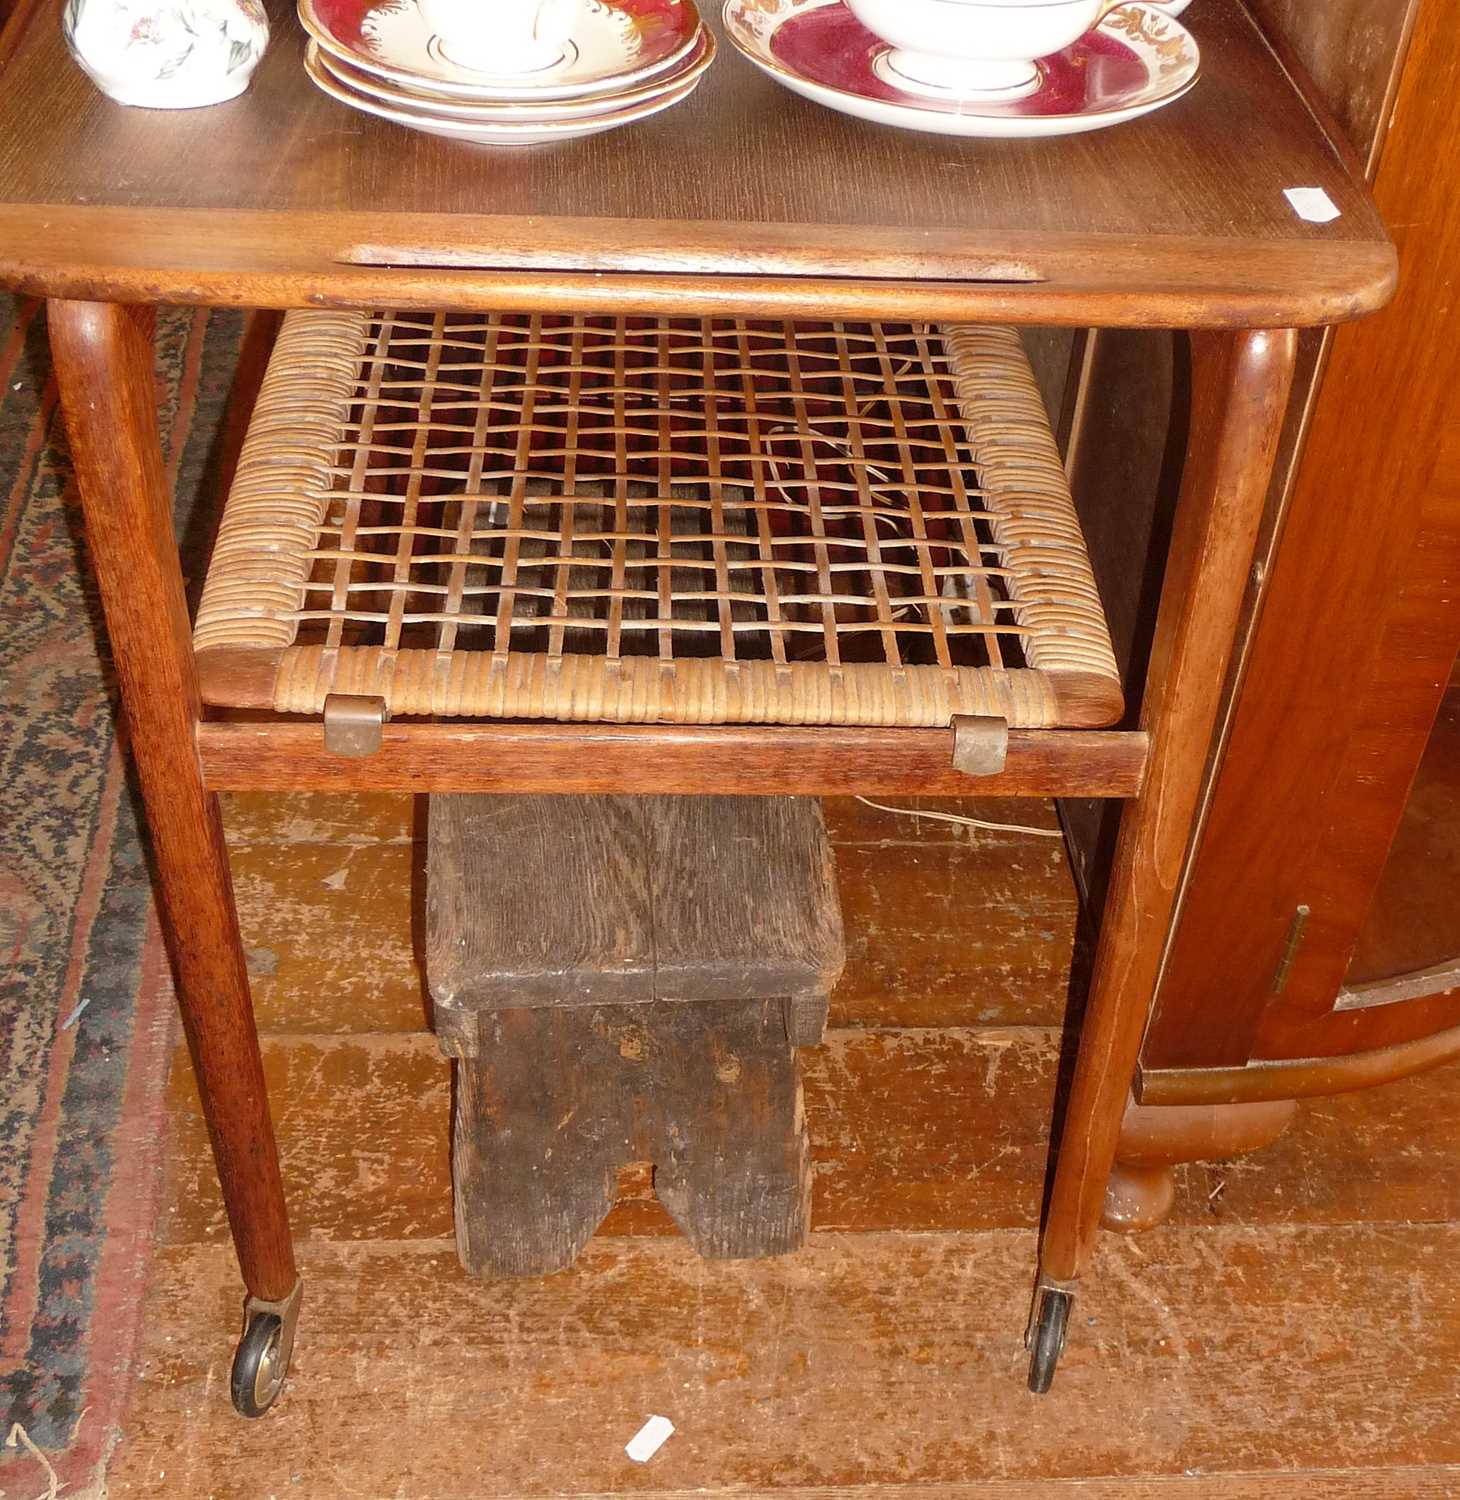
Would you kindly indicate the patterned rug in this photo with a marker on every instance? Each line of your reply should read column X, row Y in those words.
column 86, row 1019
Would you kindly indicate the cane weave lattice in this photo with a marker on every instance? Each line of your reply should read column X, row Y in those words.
column 641, row 520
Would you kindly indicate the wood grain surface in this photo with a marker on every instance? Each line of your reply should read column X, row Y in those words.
column 912, row 1129
column 585, row 900
column 945, row 925
column 1264, row 1342
column 536, row 901
column 104, row 369
column 1239, row 390
column 1176, row 219
column 1414, row 920
column 862, row 1365
column 618, row 758
column 1348, row 56
column 551, row 1104
column 744, row 898
column 611, row 974
column 340, row 922
column 1354, row 51
column 1306, row 816
column 973, row 931
column 1130, row 393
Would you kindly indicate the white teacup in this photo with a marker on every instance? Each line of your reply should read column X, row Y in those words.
column 975, row 48
column 501, row 36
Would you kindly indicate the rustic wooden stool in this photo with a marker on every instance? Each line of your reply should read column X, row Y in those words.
column 625, row 979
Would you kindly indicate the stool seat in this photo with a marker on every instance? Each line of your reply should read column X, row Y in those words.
column 568, row 901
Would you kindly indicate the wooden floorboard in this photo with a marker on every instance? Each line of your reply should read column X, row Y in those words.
column 918, row 1130
column 945, row 925
column 1433, row 1482
column 864, row 1360
column 330, row 934
column 1293, row 1332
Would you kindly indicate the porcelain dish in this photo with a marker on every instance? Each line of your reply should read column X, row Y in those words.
column 484, row 132
column 1138, row 59
column 455, row 106
column 612, row 45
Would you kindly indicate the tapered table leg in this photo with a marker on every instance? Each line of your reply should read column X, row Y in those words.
column 1240, row 385
column 103, row 357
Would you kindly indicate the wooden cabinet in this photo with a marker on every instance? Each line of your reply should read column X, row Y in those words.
column 1272, row 986
column 1349, row 653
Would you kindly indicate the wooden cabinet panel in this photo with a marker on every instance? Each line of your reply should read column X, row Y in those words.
column 1352, row 648
column 1353, row 50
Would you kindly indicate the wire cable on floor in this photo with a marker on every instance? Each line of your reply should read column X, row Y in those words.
column 967, row 822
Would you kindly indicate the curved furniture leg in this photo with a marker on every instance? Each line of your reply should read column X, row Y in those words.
column 1240, row 386
column 103, row 357
column 1153, row 1138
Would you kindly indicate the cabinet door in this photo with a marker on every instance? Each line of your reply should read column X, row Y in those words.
column 1409, row 945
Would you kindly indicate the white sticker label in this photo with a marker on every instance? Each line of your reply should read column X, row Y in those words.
column 1312, row 204
column 649, row 1439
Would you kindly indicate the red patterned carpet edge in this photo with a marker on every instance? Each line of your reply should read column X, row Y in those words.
column 86, row 1014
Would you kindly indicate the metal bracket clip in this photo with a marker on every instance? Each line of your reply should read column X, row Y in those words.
column 980, row 744
column 352, row 724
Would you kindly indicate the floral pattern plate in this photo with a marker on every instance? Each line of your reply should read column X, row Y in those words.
column 1138, row 59
column 615, row 44
column 700, row 56
column 493, row 133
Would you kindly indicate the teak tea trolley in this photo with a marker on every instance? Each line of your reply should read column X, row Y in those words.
column 692, row 458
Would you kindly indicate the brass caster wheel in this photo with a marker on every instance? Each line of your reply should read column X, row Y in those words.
column 261, row 1363
column 1046, row 1338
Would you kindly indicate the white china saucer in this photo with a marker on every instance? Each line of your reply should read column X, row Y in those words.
column 490, row 133
column 451, row 106
column 1138, row 59
column 615, row 44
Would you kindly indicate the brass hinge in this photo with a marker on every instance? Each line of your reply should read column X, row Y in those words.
column 980, row 744
column 352, row 724
column 1290, row 949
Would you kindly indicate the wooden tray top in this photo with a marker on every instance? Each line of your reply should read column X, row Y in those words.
column 284, row 198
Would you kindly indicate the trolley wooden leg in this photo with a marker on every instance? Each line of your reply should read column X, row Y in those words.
column 103, row 357
column 1240, row 385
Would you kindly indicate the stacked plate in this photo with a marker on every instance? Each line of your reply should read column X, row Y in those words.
column 621, row 61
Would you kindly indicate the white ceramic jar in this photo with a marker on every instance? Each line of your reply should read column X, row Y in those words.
column 167, row 54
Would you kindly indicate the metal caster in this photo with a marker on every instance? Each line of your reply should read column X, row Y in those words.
column 1046, row 1336
column 261, row 1363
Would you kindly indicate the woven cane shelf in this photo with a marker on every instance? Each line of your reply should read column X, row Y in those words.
column 645, row 520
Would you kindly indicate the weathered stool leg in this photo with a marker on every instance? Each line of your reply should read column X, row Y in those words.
column 103, row 355
column 539, row 1135
column 806, row 1015
column 733, row 1160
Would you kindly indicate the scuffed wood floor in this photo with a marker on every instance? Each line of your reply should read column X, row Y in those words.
column 1294, row 1331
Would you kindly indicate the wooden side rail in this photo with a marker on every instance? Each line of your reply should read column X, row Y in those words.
column 583, row 758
